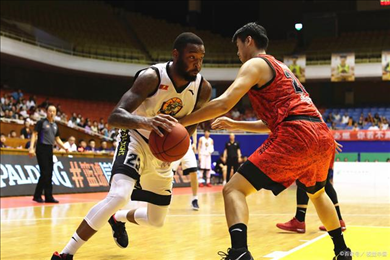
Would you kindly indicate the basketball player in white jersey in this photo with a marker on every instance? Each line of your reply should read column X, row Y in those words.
column 158, row 96
column 205, row 148
column 190, row 167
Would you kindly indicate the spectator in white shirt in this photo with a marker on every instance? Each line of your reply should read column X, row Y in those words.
column 345, row 118
column 70, row 144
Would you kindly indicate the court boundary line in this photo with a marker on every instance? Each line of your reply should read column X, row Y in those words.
column 299, row 247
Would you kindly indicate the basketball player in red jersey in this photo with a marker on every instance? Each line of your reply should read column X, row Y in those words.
column 300, row 147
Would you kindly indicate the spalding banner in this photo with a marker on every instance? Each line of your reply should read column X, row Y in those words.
column 19, row 175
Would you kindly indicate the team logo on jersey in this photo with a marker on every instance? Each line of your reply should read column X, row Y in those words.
column 163, row 87
column 171, row 107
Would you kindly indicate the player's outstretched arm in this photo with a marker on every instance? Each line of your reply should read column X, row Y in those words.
column 253, row 72
column 122, row 117
column 204, row 97
column 248, row 126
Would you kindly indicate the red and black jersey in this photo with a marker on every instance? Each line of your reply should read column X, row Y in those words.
column 281, row 97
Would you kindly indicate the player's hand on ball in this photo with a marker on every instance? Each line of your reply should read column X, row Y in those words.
column 223, row 123
column 166, row 122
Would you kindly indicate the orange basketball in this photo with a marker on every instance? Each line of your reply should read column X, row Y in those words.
column 172, row 146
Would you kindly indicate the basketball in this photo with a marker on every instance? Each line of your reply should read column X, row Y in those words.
column 172, row 146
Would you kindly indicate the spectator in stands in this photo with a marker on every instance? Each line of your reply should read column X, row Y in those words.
column 388, row 160
column 3, row 140
column 12, row 134
column 101, row 124
column 235, row 114
column 25, row 132
column 91, row 146
column 42, row 112
column 64, row 118
column 350, row 122
column 23, row 112
column 95, row 127
column 17, row 95
column 81, row 121
column 373, row 127
column 105, row 131
column 385, row 124
column 6, row 105
column 369, row 118
column 44, row 104
column 104, row 147
column 345, row 118
column 88, row 127
column 361, row 121
column 31, row 102
column 71, row 144
column 82, row 146
column 57, row 118
column 45, row 135
column 377, row 118
column 337, row 117
column 114, row 133
column 333, row 126
column 355, row 127
column 330, row 118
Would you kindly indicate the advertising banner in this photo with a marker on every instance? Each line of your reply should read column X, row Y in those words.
column 386, row 65
column 297, row 65
column 361, row 135
column 19, row 175
column 343, row 67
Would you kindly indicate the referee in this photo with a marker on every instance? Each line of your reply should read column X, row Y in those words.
column 232, row 156
column 44, row 135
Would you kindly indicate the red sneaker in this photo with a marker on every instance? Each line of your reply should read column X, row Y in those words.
column 201, row 185
column 209, row 185
column 293, row 225
column 342, row 224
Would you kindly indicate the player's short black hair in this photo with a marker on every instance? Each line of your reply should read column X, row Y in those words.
column 185, row 38
column 256, row 31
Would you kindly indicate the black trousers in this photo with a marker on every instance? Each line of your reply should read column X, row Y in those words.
column 231, row 163
column 45, row 161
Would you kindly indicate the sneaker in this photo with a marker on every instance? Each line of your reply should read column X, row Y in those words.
column 201, row 185
column 236, row 254
column 58, row 256
column 342, row 224
column 346, row 254
column 293, row 225
column 209, row 185
column 195, row 205
column 119, row 232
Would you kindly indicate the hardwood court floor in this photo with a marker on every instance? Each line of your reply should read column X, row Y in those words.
column 34, row 231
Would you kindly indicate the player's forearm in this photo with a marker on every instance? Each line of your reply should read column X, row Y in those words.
column 121, row 118
column 251, row 126
column 211, row 110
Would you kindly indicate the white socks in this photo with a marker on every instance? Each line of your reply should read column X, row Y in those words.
column 73, row 245
column 121, row 215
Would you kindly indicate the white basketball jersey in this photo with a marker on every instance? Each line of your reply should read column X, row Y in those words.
column 207, row 147
column 166, row 99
